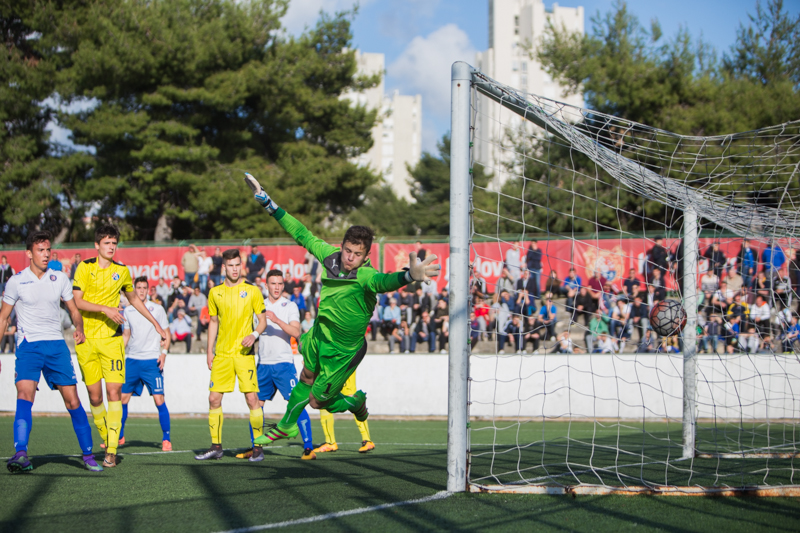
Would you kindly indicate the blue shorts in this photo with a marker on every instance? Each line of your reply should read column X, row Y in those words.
column 48, row 358
column 272, row 378
column 141, row 372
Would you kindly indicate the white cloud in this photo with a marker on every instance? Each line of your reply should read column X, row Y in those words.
column 424, row 67
column 305, row 13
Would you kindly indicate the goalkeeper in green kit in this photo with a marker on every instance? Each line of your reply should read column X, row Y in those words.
column 335, row 345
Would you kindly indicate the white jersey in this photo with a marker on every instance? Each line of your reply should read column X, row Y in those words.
column 38, row 304
column 275, row 345
column 145, row 342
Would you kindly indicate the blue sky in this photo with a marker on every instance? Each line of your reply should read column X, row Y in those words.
column 422, row 38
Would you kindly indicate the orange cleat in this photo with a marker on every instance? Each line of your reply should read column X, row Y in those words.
column 366, row 446
column 327, row 448
column 166, row 446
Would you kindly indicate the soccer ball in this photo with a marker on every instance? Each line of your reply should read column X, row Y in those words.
column 668, row 317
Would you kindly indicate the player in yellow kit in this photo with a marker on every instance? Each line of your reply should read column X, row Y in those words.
column 230, row 350
column 326, row 419
column 96, row 287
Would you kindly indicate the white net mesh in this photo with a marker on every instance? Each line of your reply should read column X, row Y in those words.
column 576, row 234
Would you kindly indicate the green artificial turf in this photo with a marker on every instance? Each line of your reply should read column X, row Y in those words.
column 173, row 492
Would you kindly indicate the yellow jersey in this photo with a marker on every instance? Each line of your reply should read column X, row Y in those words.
column 101, row 286
column 235, row 307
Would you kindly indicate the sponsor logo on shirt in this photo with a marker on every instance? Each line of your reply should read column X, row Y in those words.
column 25, row 282
column 243, row 294
column 53, row 277
column 115, row 276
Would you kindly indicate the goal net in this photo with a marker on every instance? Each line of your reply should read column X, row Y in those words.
column 577, row 224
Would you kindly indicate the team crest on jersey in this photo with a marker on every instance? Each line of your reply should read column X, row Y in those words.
column 243, row 294
column 284, row 304
column 115, row 277
column 210, row 384
column 53, row 277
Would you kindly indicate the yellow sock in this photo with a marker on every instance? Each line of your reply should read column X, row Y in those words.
column 257, row 422
column 215, row 425
column 99, row 417
column 326, row 419
column 364, row 429
column 114, row 423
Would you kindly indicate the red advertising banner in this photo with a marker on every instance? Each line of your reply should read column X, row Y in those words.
column 612, row 257
column 157, row 262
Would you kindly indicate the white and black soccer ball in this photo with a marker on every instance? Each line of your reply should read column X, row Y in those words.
column 667, row 318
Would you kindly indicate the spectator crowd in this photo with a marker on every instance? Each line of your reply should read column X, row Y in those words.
column 746, row 303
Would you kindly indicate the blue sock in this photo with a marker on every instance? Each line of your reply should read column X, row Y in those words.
column 22, row 424
column 304, row 424
column 163, row 418
column 124, row 418
column 80, row 423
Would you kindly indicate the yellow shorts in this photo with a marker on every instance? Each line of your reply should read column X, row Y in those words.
column 225, row 370
column 350, row 385
column 102, row 359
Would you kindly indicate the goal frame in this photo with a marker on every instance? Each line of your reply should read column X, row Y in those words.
column 465, row 79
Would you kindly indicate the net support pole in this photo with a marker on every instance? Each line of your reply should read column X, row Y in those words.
column 691, row 250
column 459, row 277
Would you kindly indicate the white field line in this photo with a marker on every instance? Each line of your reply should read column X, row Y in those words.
column 340, row 514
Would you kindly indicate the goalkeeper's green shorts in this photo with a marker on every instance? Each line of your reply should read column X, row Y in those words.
column 331, row 366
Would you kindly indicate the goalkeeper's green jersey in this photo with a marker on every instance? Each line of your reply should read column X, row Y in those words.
column 347, row 300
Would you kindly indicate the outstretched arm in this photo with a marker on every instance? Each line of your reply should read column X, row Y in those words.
column 302, row 236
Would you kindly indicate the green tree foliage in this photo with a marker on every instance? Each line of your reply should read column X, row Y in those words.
column 383, row 211
column 430, row 187
column 36, row 182
column 191, row 93
column 627, row 71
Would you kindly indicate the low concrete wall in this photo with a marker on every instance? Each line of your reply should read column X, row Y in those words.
column 629, row 386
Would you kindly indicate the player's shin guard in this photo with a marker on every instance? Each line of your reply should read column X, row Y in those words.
column 163, row 419
column 80, row 423
column 304, row 424
column 124, row 419
column 326, row 419
column 99, row 417
column 22, row 424
column 215, row 420
column 114, row 422
column 257, row 422
column 297, row 404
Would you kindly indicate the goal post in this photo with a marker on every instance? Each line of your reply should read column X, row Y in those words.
column 460, row 194
column 592, row 409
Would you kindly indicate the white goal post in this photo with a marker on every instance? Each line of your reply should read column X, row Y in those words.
column 621, row 421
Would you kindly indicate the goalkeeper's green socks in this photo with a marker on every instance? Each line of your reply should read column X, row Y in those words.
column 297, row 403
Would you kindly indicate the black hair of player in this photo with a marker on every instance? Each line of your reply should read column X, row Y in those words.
column 106, row 230
column 36, row 237
column 359, row 235
column 232, row 253
column 274, row 272
column 141, row 279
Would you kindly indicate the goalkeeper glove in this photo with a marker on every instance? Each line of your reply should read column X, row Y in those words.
column 421, row 271
column 260, row 194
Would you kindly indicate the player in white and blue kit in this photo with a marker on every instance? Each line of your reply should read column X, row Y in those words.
column 276, row 370
column 36, row 293
column 144, row 359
